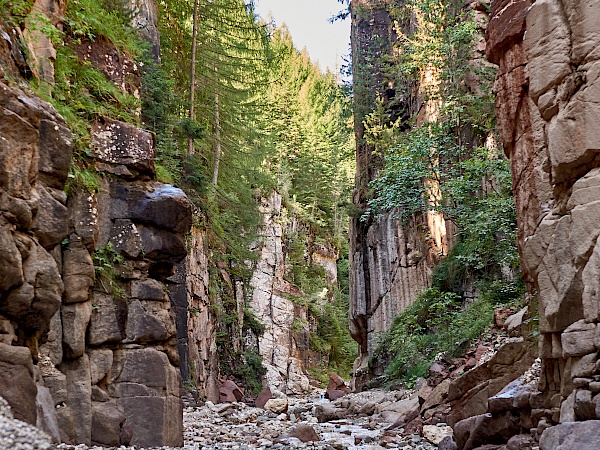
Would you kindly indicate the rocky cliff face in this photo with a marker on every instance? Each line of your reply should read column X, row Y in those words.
column 196, row 323
column 547, row 103
column 89, row 342
column 280, row 345
column 390, row 262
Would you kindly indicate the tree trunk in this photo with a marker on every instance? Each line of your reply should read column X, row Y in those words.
column 218, row 141
column 193, row 74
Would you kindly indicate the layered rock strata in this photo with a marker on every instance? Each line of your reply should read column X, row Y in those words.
column 548, row 91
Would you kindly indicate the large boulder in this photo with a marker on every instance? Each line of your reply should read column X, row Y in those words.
column 277, row 405
column 147, row 391
column 107, row 419
column 16, row 382
column 336, row 383
column 121, row 143
column 159, row 205
column 485, row 429
column 468, row 395
column 572, row 436
column 262, row 398
column 230, row 392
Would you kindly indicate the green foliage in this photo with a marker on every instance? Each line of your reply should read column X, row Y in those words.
column 252, row 324
column 92, row 19
column 15, row 11
column 249, row 368
column 105, row 260
column 450, row 165
column 427, row 170
column 434, row 323
column 81, row 93
column 308, row 126
column 82, row 180
column 440, row 322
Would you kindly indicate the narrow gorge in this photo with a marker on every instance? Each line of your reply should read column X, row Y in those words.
column 207, row 241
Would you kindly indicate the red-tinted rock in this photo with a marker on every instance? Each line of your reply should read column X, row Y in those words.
column 334, row 394
column 436, row 369
column 506, row 26
column 572, row 436
column 336, row 383
column 305, row 433
column 415, row 426
column 229, row 392
column 263, row 398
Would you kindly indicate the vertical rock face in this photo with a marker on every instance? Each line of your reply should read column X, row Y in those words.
column 273, row 307
column 35, row 153
column 390, row 262
column 119, row 340
column 548, row 90
column 84, row 277
column 196, row 332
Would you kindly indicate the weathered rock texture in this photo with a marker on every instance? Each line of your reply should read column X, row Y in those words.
column 389, row 263
column 35, row 153
column 196, row 330
column 83, row 277
column 280, row 346
column 548, row 91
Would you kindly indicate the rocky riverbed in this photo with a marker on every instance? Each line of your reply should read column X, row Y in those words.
column 237, row 426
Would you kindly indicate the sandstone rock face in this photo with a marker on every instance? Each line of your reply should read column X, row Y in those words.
column 388, row 270
column 390, row 263
column 547, row 90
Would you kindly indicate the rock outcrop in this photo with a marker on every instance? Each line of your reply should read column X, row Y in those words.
column 273, row 306
column 89, row 342
column 547, row 94
column 390, row 262
column 196, row 321
column 35, row 154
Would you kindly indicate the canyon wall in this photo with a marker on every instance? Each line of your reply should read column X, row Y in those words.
column 281, row 306
column 89, row 342
column 272, row 303
column 390, row 262
column 548, row 91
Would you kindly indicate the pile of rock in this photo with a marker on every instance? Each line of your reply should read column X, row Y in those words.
column 238, row 426
column 18, row 435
